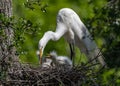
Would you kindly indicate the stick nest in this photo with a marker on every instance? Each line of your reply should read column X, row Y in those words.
column 23, row 75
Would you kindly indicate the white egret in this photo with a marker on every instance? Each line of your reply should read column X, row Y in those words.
column 75, row 32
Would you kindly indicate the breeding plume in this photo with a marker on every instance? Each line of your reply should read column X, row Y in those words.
column 75, row 32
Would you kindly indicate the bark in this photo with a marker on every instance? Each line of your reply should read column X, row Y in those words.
column 6, row 7
column 7, row 43
column 7, row 50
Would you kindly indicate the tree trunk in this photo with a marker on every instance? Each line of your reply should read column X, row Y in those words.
column 6, row 7
column 7, row 50
column 7, row 43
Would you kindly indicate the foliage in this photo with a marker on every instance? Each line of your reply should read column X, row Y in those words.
column 22, row 29
column 106, row 26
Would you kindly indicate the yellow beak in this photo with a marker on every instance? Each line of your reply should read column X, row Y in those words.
column 41, row 56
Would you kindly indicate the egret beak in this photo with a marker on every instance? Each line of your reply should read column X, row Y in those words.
column 41, row 53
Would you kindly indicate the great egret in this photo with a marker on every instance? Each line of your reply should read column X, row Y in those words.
column 75, row 32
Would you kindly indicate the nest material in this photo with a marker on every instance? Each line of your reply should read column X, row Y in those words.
column 56, row 76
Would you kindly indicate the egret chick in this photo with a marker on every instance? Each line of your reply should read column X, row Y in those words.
column 60, row 60
column 53, row 59
column 47, row 62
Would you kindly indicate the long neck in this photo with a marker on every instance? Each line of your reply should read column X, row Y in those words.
column 45, row 39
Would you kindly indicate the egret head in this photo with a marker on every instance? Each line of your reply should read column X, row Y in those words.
column 42, row 43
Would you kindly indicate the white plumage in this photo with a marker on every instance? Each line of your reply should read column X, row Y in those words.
column 60, row 60
column 47, row 63
column 74, row 31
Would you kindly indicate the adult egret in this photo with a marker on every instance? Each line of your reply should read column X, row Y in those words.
column 75, row 32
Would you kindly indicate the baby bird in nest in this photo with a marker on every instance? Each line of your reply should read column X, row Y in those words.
column 53, row 60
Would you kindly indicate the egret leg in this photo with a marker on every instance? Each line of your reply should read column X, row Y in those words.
column 72, row 51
